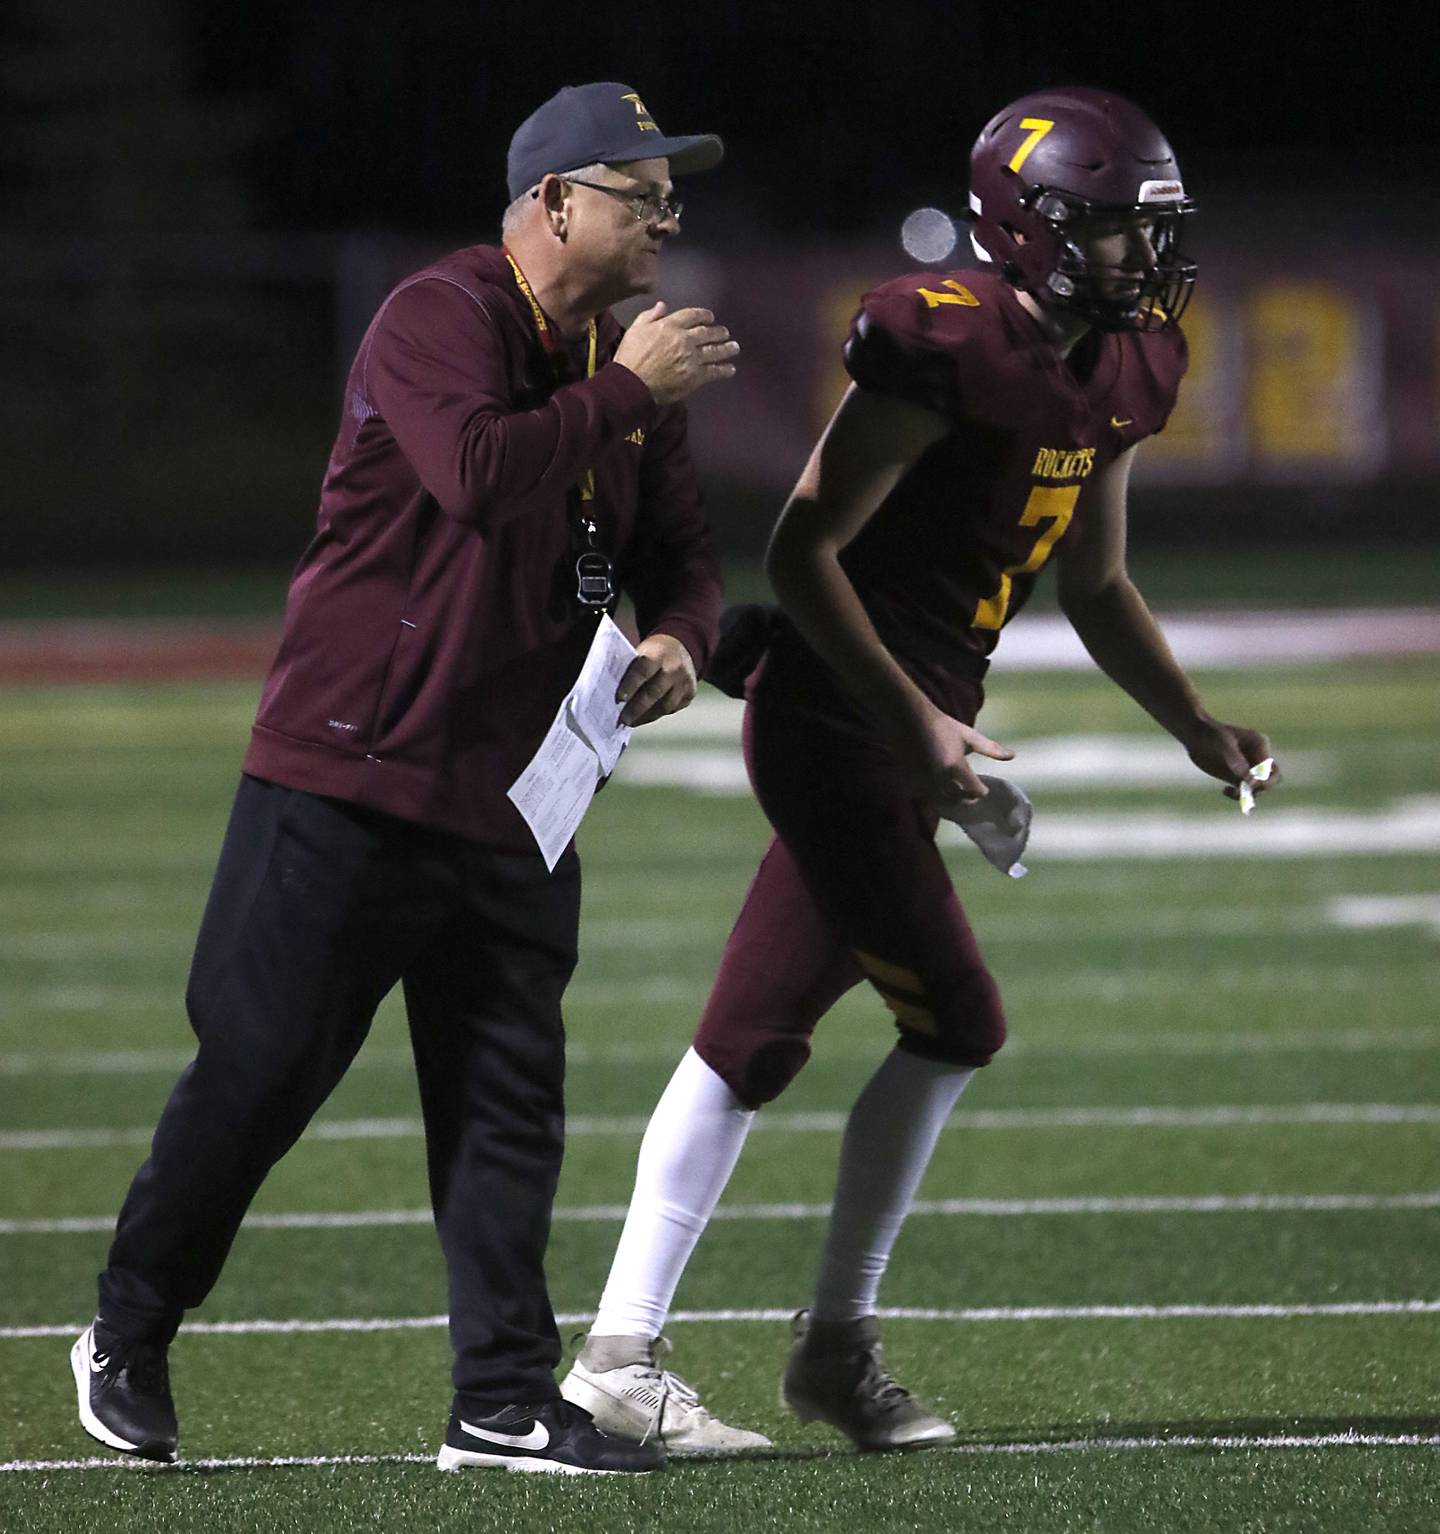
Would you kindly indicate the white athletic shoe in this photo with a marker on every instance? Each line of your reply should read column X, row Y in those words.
column 619, row 1381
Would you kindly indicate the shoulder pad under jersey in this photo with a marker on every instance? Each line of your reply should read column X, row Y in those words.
column 1152, row 386
column 924, row 337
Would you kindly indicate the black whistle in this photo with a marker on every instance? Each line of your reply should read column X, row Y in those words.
column 595, row 586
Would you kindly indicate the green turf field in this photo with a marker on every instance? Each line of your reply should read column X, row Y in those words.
column 1168, row 1243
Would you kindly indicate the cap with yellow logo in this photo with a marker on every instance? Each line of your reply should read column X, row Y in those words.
column 601, row 124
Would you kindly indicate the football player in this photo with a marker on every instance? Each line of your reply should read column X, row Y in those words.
column 991, row 423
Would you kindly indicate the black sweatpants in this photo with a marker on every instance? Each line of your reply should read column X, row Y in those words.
column 317, row 910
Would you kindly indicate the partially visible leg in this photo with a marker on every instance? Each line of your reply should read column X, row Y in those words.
column 485, row 1022
column 300, row 942
column 782, row 970
column 914, row 943
column 836, row 1371
column 691, row 1145
column 866, row 850
column 298, row 945
column 889, row 1139
column 484, row 1007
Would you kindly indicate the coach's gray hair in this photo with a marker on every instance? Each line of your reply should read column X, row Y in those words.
column 516, row 211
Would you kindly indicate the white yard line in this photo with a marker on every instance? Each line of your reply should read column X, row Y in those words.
column 1245, row 1442
column 980, row 1315
column 1220, row 1115
column 88, row 998
column 1042, row 762
column 1409, row 827
column 1367, row 913
column 243, row 1462
column 1204, row 1441
column 140, row 1062
column 1114, row 761
column 1282, row 1041
column 584, row 1214
column 660, row 1049
column 1111, row 836
column 1237, row 639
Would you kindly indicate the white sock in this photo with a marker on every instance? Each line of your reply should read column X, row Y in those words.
column 690, row 1148
column 889, row 1139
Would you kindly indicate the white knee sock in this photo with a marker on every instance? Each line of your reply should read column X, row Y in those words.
column 690, row 1148
column 888, row 1142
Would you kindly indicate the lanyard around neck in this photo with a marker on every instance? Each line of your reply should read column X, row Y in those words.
column 551, row 348
column 542, row 325
column 595, row 576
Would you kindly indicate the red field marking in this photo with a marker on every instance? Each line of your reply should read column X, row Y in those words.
column 188, row 650
column 104, row 652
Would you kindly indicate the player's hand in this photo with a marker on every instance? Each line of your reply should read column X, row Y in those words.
column 1229, row 752
column 659, row 681
column 675, row 354
column 933, row 758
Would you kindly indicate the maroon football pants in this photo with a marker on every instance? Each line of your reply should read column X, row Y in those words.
column 852, row 888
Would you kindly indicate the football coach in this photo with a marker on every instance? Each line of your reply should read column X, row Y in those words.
column 508, row 462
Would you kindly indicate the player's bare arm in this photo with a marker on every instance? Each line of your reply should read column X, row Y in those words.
column 868, row 446
column 1107, row 611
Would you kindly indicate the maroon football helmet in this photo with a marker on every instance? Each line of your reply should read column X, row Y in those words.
column 1057, row 161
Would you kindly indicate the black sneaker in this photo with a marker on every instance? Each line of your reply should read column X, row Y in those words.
column 124, row 1393
column 553, row 1436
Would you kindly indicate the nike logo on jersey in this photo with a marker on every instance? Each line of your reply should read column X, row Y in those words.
column 1117, row 423
column 537, row 1438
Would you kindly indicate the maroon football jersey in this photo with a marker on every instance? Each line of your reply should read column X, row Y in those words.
column 953, row 552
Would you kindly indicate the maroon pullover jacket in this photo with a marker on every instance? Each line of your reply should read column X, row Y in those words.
column 431, row 628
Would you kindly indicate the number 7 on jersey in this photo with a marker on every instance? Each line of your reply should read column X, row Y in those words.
column 1052, row 503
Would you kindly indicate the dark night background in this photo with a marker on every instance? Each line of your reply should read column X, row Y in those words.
column 178, row 179
column 397, row 114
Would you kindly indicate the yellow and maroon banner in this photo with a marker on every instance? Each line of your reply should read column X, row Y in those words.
column 1295, row 380
column 1321, row 372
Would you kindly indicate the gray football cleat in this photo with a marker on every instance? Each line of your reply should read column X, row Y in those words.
column 836, row 1373
column 620, row 1382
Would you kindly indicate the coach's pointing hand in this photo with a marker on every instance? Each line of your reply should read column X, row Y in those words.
column 675, row 354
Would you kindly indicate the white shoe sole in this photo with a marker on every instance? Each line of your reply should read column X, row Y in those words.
column 467, row 1459
column 80, row 1368
column 709, row 1451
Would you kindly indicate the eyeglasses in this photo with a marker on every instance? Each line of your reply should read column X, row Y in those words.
column 649, row 207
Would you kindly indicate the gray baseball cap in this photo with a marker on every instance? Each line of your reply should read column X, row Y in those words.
column 601, row 124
